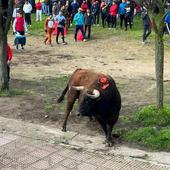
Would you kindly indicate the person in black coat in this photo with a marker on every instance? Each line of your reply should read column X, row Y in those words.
column 88, row 19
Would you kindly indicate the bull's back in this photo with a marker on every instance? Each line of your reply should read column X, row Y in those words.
column 84, row 77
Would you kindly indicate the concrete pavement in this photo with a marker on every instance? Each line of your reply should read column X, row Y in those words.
column 28, row 146
column 22, row 153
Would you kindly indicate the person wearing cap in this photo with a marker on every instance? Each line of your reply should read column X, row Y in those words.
column 60, row 27
column 79, row 22
column 48, row 28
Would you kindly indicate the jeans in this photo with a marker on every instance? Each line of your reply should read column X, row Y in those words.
column 38, row 15
column 88, row 27
column 79, row 27
column 60, row 30
column 47, row 9
column 43, row 7
column 146, row 32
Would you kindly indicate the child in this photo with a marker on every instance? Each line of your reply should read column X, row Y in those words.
column 88, row 18
column 146, row 25
column 60, row 28
column 38, row 6
column 9, row 57
column 49, row 28
column 19, row 28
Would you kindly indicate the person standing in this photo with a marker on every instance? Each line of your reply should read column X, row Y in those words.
column 84, row 7
column 79, row 22
column 74, row 10
column 27, row 8
column 47, row 7
column 9, row 58
column 96, row 12
column 19, row 28
column 48, row 28
column 60, row 27
column 122, row 12
column 38, row 6
column 103, row 9
column 113, row 13
column 146, row 25
column 128, row 18
column 88, row 18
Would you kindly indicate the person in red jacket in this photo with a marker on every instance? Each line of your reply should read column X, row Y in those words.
column 38, row 7
column 84, row 7
column 113, row 13
column 9, row 58
column 19, row 28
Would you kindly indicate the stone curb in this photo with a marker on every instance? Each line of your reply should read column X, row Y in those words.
column 78, row 141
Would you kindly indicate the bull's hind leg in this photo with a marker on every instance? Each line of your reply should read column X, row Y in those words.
column 71, row 98
column 112, row 120
column 109, row 138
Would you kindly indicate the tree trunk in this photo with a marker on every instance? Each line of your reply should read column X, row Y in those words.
column 159, row 68
column 4, row 84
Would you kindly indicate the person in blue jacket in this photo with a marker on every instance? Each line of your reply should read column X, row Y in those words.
column 79, row 22
column 167, row 23
column 122, row 12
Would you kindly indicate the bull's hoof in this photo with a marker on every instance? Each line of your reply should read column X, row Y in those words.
column 109, row 144
column 64, row 129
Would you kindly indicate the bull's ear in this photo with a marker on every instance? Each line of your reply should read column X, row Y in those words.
column 78, row 88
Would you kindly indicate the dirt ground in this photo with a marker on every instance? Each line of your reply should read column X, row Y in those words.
column 127, row 61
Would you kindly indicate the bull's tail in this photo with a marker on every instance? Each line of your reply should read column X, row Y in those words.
column 61, row 98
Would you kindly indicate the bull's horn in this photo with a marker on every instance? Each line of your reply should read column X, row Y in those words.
column 95, row 94
column 78, row 88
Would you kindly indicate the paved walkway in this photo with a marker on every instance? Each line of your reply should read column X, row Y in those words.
column 21, row 153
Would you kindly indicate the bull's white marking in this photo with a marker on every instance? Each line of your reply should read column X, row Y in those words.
column 78, row 88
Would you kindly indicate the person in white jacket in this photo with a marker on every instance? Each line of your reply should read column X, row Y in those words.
column 27, row 8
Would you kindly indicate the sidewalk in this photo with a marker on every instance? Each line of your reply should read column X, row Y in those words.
column 21, row 153
column 28, row 146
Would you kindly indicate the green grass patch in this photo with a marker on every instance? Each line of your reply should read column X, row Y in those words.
column 150, row 137
column 12, row 92
column 151, row 116
column 148, row 127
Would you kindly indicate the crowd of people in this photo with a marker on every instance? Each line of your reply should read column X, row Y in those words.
column 84, row 14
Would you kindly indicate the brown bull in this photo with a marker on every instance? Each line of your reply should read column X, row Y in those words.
column 98, row 96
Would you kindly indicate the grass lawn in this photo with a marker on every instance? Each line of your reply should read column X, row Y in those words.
column 148, row 127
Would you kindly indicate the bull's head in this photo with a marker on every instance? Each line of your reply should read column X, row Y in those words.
column 87, row 100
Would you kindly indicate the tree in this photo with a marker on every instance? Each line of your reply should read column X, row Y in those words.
column 156, row 9
column 6, row 9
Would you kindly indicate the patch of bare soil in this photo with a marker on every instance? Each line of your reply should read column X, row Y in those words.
column 129, row 63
